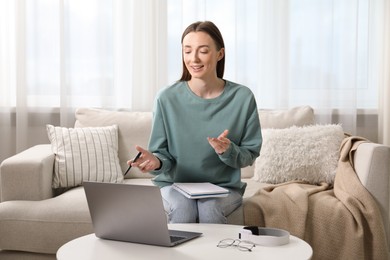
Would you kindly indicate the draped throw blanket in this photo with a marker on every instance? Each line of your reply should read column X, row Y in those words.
column 340, row 222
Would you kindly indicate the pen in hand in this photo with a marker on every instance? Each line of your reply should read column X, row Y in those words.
column 136, row 158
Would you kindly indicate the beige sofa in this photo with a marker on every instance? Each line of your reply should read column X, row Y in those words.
column 35, row 220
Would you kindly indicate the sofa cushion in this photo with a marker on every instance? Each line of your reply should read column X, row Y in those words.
column 44, row 226
column 133, row 129
column 299, row 153
column 84, row 154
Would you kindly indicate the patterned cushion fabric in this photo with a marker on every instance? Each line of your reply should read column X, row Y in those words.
column 89, row 153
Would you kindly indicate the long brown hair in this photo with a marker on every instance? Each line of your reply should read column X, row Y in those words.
column 212, row 30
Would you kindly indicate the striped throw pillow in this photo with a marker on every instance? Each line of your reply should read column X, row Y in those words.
column 88, row 153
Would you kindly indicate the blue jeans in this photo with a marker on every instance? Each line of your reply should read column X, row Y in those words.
column 180, row 209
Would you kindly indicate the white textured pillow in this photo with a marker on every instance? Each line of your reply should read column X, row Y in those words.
column 89, row 153
column 281, row 118
column 307, row 153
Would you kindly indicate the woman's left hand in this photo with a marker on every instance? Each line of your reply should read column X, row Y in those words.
column 221, row 143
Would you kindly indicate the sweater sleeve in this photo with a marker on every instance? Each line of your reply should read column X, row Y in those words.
column 245, row 153
column 158, row 143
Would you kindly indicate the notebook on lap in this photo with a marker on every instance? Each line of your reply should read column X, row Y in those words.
column 131, row 213
column 200, row 190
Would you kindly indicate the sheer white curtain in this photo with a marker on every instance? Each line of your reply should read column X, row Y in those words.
column 57, row 55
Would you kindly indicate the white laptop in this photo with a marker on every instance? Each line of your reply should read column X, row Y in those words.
column 131, row 213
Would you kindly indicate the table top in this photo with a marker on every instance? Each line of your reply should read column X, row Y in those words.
column 204, row 247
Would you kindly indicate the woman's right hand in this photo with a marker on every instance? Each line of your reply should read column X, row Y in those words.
column 146, row 162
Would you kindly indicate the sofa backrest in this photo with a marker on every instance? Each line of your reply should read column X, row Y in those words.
column 134, row 128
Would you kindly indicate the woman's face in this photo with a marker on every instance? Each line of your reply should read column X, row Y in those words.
column 200, row 55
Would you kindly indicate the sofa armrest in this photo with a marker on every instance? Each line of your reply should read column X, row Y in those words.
column 372, row 165
column 27, row 175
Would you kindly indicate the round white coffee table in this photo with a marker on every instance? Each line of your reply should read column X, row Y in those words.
column 204, row 247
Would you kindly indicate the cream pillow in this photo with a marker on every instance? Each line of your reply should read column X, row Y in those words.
column 307, row 153
column 89, row 153
column 283, row 118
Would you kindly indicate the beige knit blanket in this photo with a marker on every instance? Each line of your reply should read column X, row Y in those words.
column 340, row 222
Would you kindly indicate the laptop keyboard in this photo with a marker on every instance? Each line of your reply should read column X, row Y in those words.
column 176, row 238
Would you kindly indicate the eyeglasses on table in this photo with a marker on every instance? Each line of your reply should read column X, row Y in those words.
column 239, row 244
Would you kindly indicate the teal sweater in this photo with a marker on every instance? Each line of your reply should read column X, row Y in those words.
column 182, row 121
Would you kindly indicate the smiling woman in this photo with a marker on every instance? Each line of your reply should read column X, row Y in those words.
column 218, row 150
column 203, row 60
column 201, row 38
